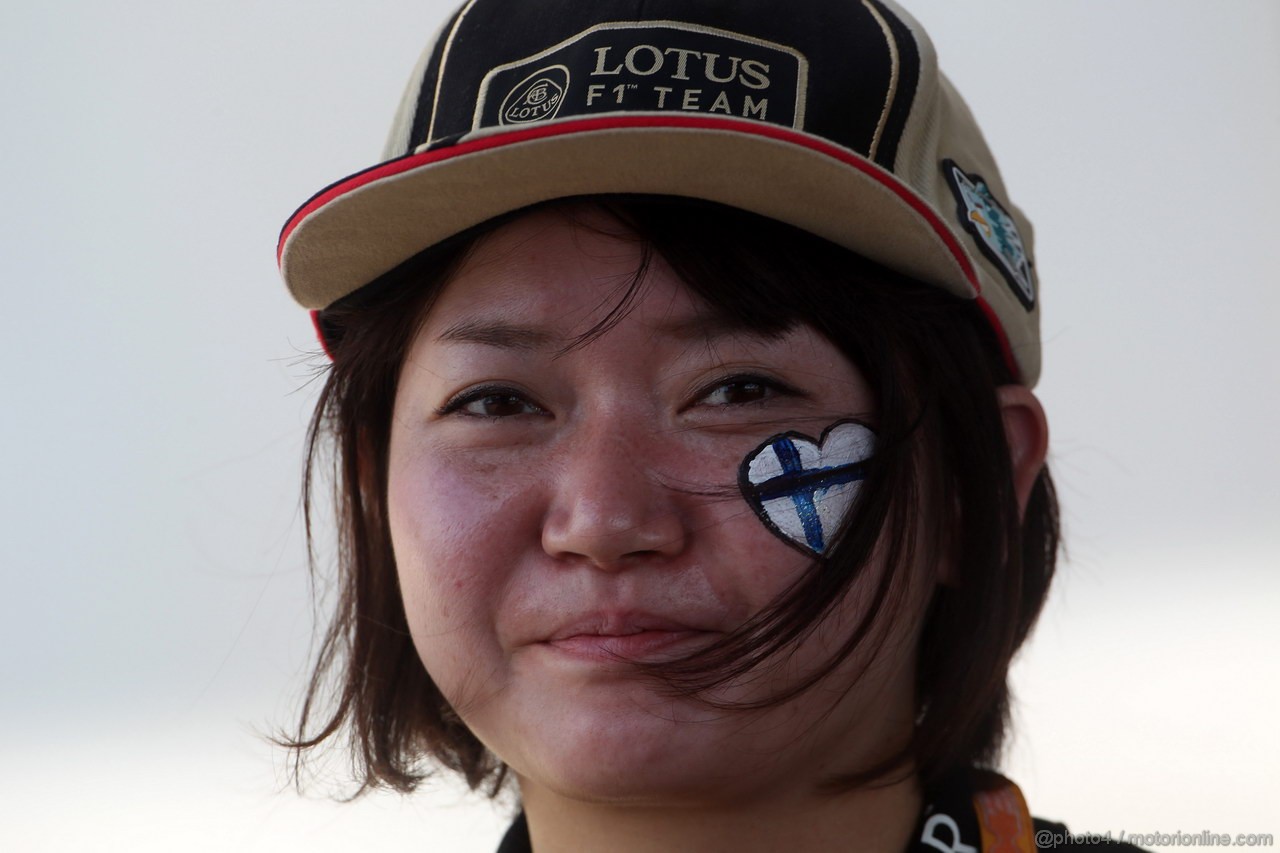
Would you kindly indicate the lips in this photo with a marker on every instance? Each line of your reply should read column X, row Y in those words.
column 604, row 637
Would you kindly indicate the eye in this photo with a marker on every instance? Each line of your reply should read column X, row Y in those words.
column 492, row 402
column 744, row 390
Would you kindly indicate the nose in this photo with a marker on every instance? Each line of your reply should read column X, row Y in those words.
column 610, row 505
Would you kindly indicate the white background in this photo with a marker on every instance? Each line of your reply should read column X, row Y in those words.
column 155, row 618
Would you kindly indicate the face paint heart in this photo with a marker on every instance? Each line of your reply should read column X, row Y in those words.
column 801, row 489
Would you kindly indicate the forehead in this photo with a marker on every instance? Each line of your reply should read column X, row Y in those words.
column 565, row 268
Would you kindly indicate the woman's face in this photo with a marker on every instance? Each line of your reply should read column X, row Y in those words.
column 559, row 512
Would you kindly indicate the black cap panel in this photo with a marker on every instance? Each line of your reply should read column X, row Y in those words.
column 427, row 86
column 908, row 82
column 515, row 64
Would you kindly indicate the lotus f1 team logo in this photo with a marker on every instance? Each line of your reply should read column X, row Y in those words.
column 536, row 98
column 996, row 231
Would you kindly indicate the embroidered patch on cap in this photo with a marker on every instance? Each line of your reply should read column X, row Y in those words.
column 801, row 488
column 996, row 231
column 536, row 98
column 648, row 67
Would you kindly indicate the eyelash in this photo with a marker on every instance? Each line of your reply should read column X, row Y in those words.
column 458, row 402
column 769, row 385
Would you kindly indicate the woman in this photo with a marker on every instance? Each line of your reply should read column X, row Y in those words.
column 688, row 472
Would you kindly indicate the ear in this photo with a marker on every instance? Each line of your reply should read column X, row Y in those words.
column 1027, row 432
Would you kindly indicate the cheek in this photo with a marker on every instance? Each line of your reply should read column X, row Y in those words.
column 747, row 563
column 456, row 532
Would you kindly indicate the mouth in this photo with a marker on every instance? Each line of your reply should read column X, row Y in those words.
column 628, row 639
column 642, row 646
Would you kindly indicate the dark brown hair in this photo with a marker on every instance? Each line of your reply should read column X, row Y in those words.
column 940, row 488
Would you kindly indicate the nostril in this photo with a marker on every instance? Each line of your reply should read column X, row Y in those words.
column 614, row 540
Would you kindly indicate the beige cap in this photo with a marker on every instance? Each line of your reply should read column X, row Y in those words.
column 830, row 115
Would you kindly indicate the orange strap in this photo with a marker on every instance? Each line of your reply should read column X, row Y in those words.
column 1004, row 820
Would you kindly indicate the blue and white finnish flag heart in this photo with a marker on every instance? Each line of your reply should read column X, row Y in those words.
column 802, row 488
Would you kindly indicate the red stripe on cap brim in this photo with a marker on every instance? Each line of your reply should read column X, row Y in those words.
column 848, row 158
column 566, row 128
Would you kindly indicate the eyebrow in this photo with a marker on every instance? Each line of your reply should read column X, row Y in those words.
column 705, row 327
column 505, row 335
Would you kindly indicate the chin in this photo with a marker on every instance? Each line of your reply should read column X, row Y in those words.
column 673, row 753
column 630, row 776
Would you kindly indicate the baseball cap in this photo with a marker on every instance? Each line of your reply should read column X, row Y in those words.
column 829, row 115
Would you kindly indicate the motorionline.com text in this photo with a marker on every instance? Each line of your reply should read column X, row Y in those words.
column 1049, row 838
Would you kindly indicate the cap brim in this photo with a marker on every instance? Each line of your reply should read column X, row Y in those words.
column 362, row 226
